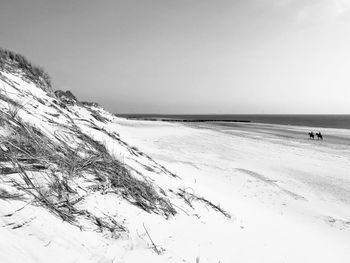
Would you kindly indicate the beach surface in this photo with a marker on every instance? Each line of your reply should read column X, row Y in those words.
column 289, row 196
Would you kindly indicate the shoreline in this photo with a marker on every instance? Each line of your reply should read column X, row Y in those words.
column 245, row 123
column 182, row 120
column 311, row 121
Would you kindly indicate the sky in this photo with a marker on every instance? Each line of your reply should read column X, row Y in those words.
column 190, row 56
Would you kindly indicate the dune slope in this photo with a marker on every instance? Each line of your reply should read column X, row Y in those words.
column 73, row 190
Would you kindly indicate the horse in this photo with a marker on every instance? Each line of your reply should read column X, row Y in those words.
column 319, row 136
column 311, row 135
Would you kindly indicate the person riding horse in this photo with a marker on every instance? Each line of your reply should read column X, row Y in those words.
column 319, row 136
column 311, row 135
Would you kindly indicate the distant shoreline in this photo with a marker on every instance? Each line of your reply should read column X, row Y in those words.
column 183, row 120
column 307, row 120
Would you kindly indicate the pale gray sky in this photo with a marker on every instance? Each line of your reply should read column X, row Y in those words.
column 190, row 56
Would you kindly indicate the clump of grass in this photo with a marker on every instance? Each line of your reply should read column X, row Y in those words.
column 10, row 61
column 139, row 193
column 96, row 115
column 13, row 107
column 66, row 97
column 190, row 197
column 35, row 190
column 30, row 149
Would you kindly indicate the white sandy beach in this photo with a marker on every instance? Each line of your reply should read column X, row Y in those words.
column 289, row 195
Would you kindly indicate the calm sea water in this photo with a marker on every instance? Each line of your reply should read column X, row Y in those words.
column 325, row 121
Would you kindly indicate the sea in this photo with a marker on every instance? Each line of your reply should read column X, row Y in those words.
column 325, row 121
